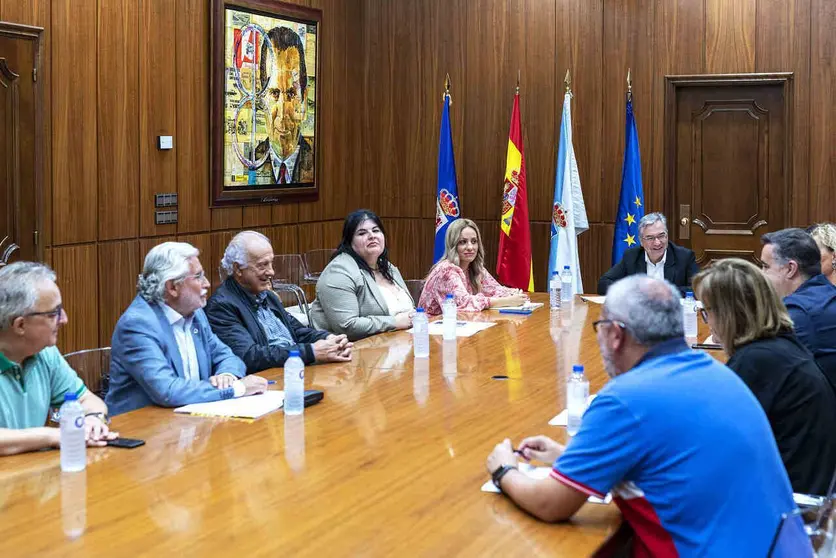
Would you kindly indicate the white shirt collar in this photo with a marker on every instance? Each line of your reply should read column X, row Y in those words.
column 661, row 262
column 173, row 316
column 290, row 162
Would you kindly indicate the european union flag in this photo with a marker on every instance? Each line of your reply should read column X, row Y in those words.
column 447, row 192
column 631, row 202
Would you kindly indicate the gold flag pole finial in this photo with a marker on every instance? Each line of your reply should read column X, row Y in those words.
column 567, row 81
column 518, row 81
column 629, row 85
column 447, row 89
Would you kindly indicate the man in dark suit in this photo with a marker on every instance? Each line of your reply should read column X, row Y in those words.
column 656, row 256
column 247, row 315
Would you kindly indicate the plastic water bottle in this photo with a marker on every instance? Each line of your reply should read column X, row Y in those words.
column 421, row 334
column 294, row 385
column 566, row 285
column 74, row 503
column 449, row 357
column 73, row 444
column 577, row 395
column 448, row 313
column 554, row 291
column 689, row 314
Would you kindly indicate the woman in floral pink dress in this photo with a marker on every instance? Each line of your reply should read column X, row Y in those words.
column 461, row 272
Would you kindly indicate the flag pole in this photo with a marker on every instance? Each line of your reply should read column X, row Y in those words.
column 446, row 95
column 567, row 82
column 629, row 86
column 518, row 81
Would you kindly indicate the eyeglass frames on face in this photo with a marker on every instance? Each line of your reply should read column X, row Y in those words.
column 200, row 276
column 54, row 314
column 597, row 323
column 704, row 314
column 661, row 236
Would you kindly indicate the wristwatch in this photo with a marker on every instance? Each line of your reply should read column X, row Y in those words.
column 99, row 415
column 497, row 475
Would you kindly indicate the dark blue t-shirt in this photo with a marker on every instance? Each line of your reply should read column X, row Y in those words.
column 812, row 308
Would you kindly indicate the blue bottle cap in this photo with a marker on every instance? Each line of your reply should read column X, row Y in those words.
column 578, row 368
column 294, row 353
column 419, row 309
column 689, row 293
column 70, row 397
column 565, row 267
column 449, row 296
column 555, row 273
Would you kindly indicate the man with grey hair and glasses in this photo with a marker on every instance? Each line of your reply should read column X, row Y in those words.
column 248, row 316
column 655, row 256
column 163, row 350
column 33, row 374
column 791, row 260
column 675, row 436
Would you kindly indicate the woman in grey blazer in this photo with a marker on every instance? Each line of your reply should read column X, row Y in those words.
column 360, row 292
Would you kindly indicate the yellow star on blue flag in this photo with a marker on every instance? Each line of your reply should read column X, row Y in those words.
column 630, row 240
column 638, row 202
column 631, row 199
column 630, row 220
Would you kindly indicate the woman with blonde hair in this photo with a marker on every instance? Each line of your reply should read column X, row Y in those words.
column 749, row 320
column 461, row 272
column 825, row 236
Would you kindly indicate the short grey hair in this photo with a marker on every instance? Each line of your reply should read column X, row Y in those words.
column 168, row 261
column 19, row 283
column 650, row 308
column 798, row 245
column 652, row 219
column 236, row 252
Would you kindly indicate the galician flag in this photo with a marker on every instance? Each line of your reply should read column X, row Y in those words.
column 631, row 201
column 513, row 267
column 447, row 192
column 568, row 210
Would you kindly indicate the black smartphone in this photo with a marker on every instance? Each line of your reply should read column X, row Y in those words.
column 128, row 443
column 313, row 396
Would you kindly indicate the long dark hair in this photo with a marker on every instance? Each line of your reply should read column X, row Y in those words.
column 354, row 220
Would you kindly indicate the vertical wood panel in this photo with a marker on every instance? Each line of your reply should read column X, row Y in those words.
column 74, row 104
column 730, row 36
column 580, row 28
column 118, row 120
column 202, row 242
column 145, row 245
column 77, row 270
column 192, row 139
column 783, row 44
column 628, row 40
column 823, row 113
column 157, row 108
column 257, row 216
column 118, row 271
column 284, row 239
column 679, row 31
column 227, row 218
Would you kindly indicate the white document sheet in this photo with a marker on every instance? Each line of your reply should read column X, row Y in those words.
column 463, row 329
column 526, row 306
column 541, row 473
column 594, row 299
column 562, row 419
column 251, row 406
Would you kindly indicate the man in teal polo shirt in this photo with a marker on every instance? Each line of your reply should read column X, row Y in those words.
column 33, row 374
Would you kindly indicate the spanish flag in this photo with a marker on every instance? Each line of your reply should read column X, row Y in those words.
column 513, row 267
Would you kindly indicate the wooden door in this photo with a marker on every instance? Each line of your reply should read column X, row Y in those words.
column 728, row 162
column 21, row 153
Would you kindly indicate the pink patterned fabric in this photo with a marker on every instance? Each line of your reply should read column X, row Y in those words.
column 446, row 277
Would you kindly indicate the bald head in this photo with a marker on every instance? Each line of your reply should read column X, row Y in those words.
column 249, row 260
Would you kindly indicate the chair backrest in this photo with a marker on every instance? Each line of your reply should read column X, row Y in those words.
column 93, row 367
column 415, row 286
column 289, row 270
column 316, row 261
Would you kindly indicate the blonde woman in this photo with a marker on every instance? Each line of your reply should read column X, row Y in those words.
column 825, row 236
column 749, row 320
column 461, row 272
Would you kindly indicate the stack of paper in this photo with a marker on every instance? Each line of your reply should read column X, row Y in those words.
column 541, row 473
column 250, row 407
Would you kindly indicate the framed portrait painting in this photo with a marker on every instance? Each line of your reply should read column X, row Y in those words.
column 265, row 103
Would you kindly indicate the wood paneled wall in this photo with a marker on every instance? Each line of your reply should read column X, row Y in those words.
column 483, row 44
column 120, row 73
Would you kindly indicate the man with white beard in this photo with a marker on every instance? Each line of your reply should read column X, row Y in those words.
column 163, row 350
column 677, row 437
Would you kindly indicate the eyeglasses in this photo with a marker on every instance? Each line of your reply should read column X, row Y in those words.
column 200, row 276
column 53, row 314
column 597, row 323
column 704, row 314
column 660, row 236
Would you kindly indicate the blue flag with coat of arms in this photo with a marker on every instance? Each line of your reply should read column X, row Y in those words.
column 631, row 201
column 447, row 192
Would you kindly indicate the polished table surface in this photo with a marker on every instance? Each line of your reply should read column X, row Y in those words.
column 390, row 463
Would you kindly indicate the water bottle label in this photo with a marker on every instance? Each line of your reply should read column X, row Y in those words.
column 79, row 422
column 302, row 374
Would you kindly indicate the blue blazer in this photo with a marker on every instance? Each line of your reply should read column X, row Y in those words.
column 145, row 363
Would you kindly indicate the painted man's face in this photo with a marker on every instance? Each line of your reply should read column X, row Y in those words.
column 286, row 102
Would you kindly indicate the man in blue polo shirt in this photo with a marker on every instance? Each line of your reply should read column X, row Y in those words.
column 33, row 374
column 792, row 262
column 677, row 437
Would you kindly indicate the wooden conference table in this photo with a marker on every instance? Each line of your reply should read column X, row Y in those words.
column 390, row 463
